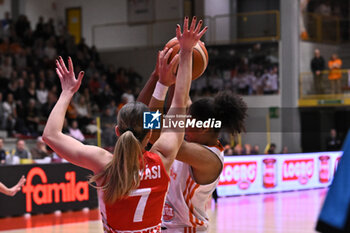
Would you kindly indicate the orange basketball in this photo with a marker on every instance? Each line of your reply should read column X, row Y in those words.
column 200, row 56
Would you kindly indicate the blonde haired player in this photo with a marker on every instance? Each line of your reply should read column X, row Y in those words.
column 132, row 183
column 195, row 173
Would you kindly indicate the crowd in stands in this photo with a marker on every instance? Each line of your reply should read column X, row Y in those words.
column 248, row 149
column 328, row 7
column 246, row 70
column 325, row 20
column 29, row 87
column 21, row 154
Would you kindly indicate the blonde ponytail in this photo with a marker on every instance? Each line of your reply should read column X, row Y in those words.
column 121, row 174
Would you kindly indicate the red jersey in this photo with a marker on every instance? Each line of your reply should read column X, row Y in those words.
column 142, row 210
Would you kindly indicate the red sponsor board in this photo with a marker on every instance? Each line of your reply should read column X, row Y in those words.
column 46, row 193
column 241, row 173
column 324, row 168
column 269, row 173
column 49, row 187
column 298, row 169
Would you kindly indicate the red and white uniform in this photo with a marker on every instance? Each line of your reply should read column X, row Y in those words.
column 185, row 206
column 141, row 211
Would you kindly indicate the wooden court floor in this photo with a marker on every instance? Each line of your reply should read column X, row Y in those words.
column 287, row 212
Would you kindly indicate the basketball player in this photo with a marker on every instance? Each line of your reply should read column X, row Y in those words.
column 12, row 191
column 132, row 183
column 195, row 173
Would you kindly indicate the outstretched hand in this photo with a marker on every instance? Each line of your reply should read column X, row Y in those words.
column 17, row 187
column 68, row 81
column 167, row 71
column 189, row 38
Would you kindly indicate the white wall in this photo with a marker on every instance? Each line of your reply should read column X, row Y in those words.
column 107, row 15
column 116, row 36
column 6, row 6
column 35, row 8
column 142, row 60
column 256, row 126
column 221, row 25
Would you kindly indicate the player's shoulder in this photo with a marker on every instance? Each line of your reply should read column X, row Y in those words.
column 152, row 157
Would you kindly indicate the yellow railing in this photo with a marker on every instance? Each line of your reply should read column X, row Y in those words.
column 223, row 29
column 322, row 29
column 248, row 27
column 322, row 91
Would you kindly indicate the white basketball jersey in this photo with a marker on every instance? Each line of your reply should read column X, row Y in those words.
column 185, row 206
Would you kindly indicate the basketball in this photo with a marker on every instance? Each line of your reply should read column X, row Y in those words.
column 200, row 56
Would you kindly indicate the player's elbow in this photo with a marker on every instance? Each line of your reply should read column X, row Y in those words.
column 48, row 138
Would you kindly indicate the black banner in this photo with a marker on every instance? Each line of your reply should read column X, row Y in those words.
column 49, row 187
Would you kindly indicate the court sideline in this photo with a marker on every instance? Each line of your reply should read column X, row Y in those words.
column 287, row 212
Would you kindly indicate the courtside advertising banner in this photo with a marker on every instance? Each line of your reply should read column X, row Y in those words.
column 274, row 173
column 49, row 187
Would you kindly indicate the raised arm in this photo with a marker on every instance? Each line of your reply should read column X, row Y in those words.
column 171, row 138
column 166, row 78
column 90, row 157
column 147, row 91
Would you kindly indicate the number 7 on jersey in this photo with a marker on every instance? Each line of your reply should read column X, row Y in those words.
column 140, row 209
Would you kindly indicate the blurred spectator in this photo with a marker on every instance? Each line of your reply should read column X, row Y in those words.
column 32, row 118
column 228, row 150
column 6, row 68
column 2, row 112
column 317, row 66
column 256, row 150
column 5, row 24
column 108, row 123
column 51, row 101
column 128, row 96
column 247, row 149
column 65, row 128
column 75, row 132
column 40, row 153
column 270, row 80
column 242, row 84
column 22, row 26
column 105, row 97
column 238, row 150
column 272, row 149
column 39, row 28
column 20, row 60
column 135, row 78
column 2, row 152
column 42, row 93
column 83, row 111
column 18, row 153
column 334, row 76
column 333, row 141
column 324, row 8
column 284, row 150
column 10, row 114
column 49, row 51
column 71, row 112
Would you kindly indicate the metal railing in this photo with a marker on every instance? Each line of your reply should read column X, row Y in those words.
column 325, row 29
column 223, row 29
column 311, row 87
